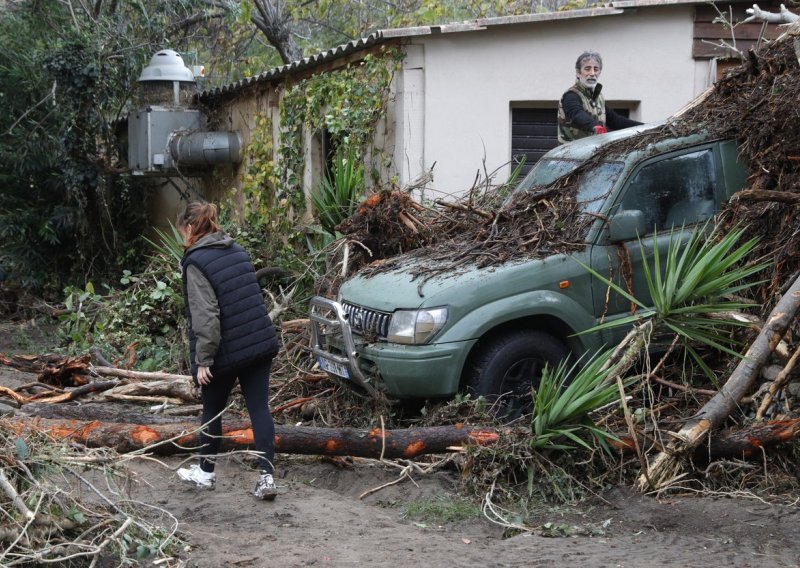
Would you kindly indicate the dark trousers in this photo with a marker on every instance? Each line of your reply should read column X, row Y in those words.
column 255, row 387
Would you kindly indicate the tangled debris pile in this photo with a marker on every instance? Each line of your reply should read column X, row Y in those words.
column 755, row 104
column 485, row 228
column 488, row 227
column 66, row 504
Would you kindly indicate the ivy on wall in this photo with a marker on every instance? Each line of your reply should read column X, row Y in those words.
column 347, row 103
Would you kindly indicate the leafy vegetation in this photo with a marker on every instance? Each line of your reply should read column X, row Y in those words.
column 563, row 400
column 695, row 281
column 441, row 509
column 340, row 191
column 140, row 320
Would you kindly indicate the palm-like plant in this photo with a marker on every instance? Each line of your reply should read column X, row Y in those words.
column 169, row 245
column 340, row 191
column 686, row 287
column 690, row 285
column 563, row 400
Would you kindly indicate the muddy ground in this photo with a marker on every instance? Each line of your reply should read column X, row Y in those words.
column 320, row 519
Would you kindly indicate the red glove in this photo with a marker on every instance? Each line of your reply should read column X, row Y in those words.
column 600, row 129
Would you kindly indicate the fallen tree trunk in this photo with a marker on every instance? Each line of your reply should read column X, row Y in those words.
column 667, row 464
column 749, row 442
column 182, row 437
column 181, row 389
column 746, row 443
column 127, row 437
column 139, row 375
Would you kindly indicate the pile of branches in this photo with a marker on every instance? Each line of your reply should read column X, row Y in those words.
column 756, row 104
column 63, row 504
column 489, row 226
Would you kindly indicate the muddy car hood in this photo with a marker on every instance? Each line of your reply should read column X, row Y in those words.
column 406, row 288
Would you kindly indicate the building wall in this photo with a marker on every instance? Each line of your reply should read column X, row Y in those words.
column 470, row 81
column 239, row 115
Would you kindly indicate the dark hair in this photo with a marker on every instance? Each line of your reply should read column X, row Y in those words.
column 588, row 55
column 202, row 217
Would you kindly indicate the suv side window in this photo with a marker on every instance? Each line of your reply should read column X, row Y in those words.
column 674, row 191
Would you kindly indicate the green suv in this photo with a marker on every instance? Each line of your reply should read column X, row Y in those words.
column 491, row 330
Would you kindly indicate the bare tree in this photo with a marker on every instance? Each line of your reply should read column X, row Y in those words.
column 274, row 21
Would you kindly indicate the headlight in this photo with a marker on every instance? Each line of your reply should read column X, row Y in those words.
column 416, row 327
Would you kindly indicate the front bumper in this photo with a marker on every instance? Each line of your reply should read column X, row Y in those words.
column 402, row 371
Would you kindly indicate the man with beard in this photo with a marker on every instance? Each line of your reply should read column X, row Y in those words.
column 582, row 110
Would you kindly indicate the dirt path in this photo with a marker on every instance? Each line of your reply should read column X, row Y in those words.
column 319, row 520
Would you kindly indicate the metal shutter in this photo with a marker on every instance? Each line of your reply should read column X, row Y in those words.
column 534, row 131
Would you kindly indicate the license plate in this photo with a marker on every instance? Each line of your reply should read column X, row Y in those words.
column 333, row 367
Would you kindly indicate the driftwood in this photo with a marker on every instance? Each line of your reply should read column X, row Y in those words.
column 183, row 437
column 667, row 464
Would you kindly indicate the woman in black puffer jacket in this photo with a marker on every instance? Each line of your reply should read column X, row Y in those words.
column 230, row 337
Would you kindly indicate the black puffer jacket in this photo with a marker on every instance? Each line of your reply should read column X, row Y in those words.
column 245, row 333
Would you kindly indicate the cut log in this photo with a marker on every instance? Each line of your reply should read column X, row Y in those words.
column 127, row 437
column 667, row 464
column 749, row 442
column 119, row 412
column 182, row 389
column 372, row 443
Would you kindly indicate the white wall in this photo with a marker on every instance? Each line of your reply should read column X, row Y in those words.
column 471, row 78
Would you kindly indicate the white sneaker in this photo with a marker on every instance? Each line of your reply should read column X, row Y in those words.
column 265, row 488
column 201, row 479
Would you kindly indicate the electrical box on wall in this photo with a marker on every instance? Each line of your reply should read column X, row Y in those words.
column 149, row 132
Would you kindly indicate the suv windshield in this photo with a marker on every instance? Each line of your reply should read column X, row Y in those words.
column 593, row 186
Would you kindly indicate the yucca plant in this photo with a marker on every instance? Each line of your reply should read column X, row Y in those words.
column 563, row 400
column 169, row 244
column 686, row 287
column 690, row 284
column 340, row 191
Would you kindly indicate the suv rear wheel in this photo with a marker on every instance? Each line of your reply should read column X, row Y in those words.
column 506, row 369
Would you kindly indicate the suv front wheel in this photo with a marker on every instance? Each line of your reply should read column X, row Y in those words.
column 506, row 368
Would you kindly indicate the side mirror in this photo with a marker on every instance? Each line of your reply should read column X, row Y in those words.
column 626, row 226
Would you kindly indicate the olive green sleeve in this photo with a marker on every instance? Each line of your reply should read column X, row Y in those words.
column 204, row 308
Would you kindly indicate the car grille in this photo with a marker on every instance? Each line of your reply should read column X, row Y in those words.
column 366, row 321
